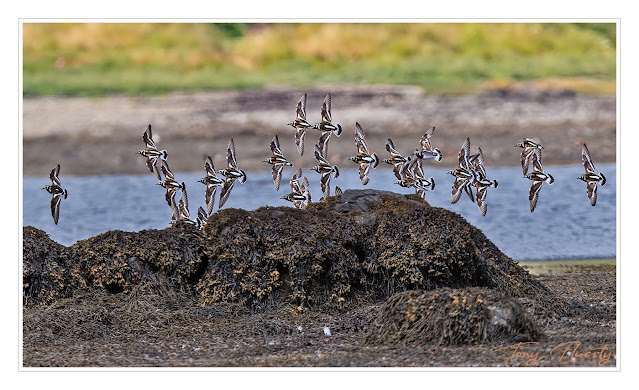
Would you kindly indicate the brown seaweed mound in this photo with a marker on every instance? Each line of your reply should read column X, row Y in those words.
column 448, row 317
column 364, row 246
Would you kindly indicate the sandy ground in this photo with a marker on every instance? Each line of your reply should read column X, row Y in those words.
column 101, row 135
column 179, row 334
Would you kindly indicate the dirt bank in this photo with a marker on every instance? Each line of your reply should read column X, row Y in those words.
column 101, row 135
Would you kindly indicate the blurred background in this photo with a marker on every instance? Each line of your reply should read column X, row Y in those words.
column 91, row 89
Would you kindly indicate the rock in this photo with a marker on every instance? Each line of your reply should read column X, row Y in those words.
column 445, row 317
column 363, row 246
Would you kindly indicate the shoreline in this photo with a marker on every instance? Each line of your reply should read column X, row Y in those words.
column 102, row 135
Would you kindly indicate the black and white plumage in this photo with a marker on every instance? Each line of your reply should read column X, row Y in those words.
column 364, row 158
column 529, row 147
column 481, row 182
column 590, row 177
column 538, row 177
column 231, row 173
column 395, row 159
column 300, row 124
column 326, row 125
column 152, row 153
column 464, row 174
column 299, row 195
column 169, row 182
column 212, row 182
column 278, row 161
column 426, row 150
column 56, row 191
column 325, row 169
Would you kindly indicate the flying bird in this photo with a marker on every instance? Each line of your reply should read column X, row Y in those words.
column 325, row 169
column 426, row 150
column 56, row 191
column 326, row 125
column 212, row 182
column 364, row 158
column 529, row 147
column 278, row 161
column 152, row 153
column 590, row 177
column 538, row 177
column 300, row 124
column 231, row 173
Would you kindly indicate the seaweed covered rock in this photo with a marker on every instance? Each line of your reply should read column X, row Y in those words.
column 363, row 246
column 47, row 274
column 446, row 317
column 333, row 254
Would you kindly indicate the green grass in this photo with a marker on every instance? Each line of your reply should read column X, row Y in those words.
column 150, row 59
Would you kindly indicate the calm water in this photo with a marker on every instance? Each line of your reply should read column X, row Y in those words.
column 564, row 225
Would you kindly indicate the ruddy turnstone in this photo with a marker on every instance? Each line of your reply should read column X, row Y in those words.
column 212, row 182
column 300, row 124
column 202, row 217
column 426, row 150
column 299, row 195
column 363, row 158
column 278, row 161
column 420, row 183
column 169, row 182
column 56, row 191
column 395, row 159
column 326, row 125
column 465, row 176
column 529, row 147
column 325, row 169
column 590, row 177
column 231, row 173
column 152, row 153
column 481, row 182
column 183, row 207
column 538, row 177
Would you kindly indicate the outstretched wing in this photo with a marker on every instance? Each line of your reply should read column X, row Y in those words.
column 300, row 134
column 457, row 190
column 592, row 192
column 230, row 154
column 54, row 175
column 325, row 182
column 364, row 168
column 184, row 203
column 587, row 159
column 147, row 137
column 209, row 196
column 464, row 155
column 301, row 109
column 533, row 194
column 323, row 143
column 209, row 167
column 167, row 171
column 425, row 141
column 478, row 164
column 277, row 175
column 151, row 163
column 275, row 146
column 55, row 207
column 326, row 109
column 225, row 192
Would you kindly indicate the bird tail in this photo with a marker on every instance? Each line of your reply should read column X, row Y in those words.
column 375, row 160
column 336, row 170
column 338, row 131
column 603, row 178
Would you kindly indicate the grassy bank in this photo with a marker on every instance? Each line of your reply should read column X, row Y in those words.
column 145, row 58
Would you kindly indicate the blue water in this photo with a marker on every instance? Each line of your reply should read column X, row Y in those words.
column 563, row 225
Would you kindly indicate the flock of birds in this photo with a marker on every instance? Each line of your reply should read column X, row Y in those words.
column 470, row 172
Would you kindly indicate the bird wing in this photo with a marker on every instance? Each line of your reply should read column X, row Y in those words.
column 323, row 143
column 587, row 159
column 464, row 154
column 301, row 109
column 55, row 207
column 299, row 139
column 425, row 141
column 54, row 175
column 364, row 168
column 533, row 194
column 230, row 154
column 226, row 191
column 326, row 109
column 151, row 163
column 209, row 196
column 147, row 137
column 209, row 167
column 277, row 175
column 184, row 203
column 592, row 192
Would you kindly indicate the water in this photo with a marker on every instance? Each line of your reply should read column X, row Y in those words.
column 563, row 226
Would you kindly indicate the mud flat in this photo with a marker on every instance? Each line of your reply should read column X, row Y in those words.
column 370, row 278
column 101, row 135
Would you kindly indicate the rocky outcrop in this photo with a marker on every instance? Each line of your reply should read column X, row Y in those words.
column 364, row 246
